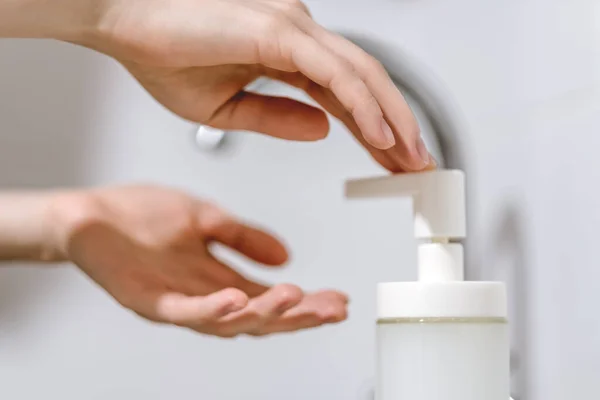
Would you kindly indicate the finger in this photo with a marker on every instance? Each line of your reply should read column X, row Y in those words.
column 316, row 309
column 396, row 109
column 387, row 158
column 252, row 242
column 179, row 309
column 274, row 116
column 261, row 311
column 327, row 100
column 222, row 276
column 409, row 146
column 306, row 55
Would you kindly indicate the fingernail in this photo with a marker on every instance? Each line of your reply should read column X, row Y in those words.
column 423, row 152
column 433, row 164
column 390, row 140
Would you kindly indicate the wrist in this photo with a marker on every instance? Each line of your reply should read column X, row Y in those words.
column 26, row 227
column 68, row 213
column 37, row 226
column 67, row 20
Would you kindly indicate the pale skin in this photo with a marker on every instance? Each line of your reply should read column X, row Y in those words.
column 148, row 246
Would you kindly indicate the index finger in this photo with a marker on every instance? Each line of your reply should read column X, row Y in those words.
column 395, row 107
column 303, row 53
column 252, row 242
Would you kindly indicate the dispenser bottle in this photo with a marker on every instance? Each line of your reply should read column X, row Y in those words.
column 440, row 338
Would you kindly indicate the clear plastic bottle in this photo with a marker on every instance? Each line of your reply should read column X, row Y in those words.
column 442, row 359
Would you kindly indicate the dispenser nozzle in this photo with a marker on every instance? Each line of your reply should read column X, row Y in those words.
column 439, row 216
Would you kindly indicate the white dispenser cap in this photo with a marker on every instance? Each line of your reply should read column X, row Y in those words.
column 440, row 217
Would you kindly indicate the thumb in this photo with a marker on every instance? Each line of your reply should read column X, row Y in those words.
column 279, row 117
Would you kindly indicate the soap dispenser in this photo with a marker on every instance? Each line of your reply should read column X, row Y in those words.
column 439, row 338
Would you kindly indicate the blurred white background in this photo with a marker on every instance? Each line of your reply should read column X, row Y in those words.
column 522, row 74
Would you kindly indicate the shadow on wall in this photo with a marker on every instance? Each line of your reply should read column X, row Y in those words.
column 46, row 101
column 509, row 238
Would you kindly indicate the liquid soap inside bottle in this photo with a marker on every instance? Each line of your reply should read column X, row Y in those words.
column 442, row 359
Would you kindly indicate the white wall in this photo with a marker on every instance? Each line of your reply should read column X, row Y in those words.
column 522, row 73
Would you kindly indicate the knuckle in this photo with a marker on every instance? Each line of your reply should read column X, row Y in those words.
column 274, row 38
column 255, row 320
column 412, row 131
column 344, row 71
column 183, row 225
column 289, row 293
column 212, row 210
column 293, row 6
column 365, row 100
column 273, row 24
column 362, row 99
column 343, row 79
column 212, row 218
column 373, row 65
column 346, row 80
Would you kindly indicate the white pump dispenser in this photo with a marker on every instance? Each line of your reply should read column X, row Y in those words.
column 440, row 338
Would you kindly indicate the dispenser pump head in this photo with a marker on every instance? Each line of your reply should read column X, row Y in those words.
column 439, row 216
column 438, row 199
